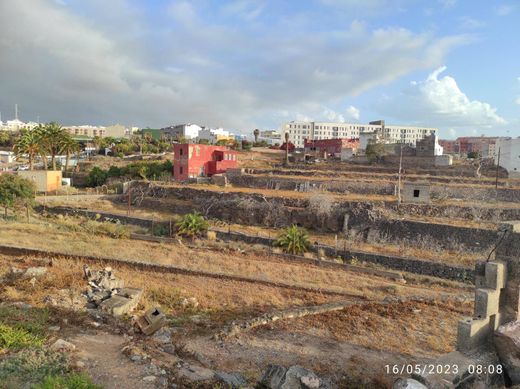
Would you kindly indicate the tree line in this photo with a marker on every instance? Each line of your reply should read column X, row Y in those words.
column 49, row 139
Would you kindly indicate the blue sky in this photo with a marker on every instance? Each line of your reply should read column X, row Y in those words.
column 244, row 64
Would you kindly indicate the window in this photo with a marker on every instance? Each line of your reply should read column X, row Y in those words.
column 180, row 153
column 416, row 192
column 180, row 168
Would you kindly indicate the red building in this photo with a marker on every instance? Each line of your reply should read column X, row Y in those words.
column 449, row 146
column 330, row 146
column 195, row 160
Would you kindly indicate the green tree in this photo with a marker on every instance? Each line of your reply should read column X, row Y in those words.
column 69, row 146
column 15, row 191
column 28, row 144
column 52, row 138
column 96, row 177
column 192, row 225
column 375, row 152
column 294, row 240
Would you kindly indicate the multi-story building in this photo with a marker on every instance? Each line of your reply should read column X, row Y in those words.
column 429, row 147
column 484, row 146
column 271, row 137
column 196, row 160
column 189, row 132
column 213, row 135
column 300, row 130
column 509, row 155
column 114, row 131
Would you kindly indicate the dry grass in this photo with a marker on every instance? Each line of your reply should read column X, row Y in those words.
column 411, row 328
column 217, row 259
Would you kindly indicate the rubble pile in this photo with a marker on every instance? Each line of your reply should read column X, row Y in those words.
column 107, row 292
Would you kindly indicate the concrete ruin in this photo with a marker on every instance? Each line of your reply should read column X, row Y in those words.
column 416, row 192
column 488, row 343
column 151, row 321
column 108, row 293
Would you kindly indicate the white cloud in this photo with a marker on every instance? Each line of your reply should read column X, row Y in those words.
column 504, row 9
column 437, row 102
column 517, row 100
column 193, row 70
column 468, row 23
column 352, row 112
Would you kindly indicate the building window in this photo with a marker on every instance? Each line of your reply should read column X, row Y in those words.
column 180, row 152
column 416, row 192
column 180, row 169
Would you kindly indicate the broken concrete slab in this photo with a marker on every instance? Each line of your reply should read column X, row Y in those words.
column 151, row 321
column 507, row 344
column 408, row 383
column 35, row 272
column 118, row 305
column 298, row 377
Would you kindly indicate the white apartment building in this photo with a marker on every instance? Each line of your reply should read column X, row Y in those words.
column 300, row 130
column 114, row 131
column 509, row 155
column 213, row 135
column 186, row 131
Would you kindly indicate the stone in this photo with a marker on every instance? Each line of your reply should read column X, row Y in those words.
column 294, row 375
column 507, row 344
column 54, row 328
column 273, row 377
column 309, row 382
column 36, row 272
column 408, row 383
column 196, row 373
column 150, row 378
column 231, row 380
column 162, row 336
column 62, row 345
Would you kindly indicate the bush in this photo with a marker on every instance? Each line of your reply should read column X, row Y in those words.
column 97, row 177
column 191, row 225
column 21, row 328
column 294, row 240
column 14, row 338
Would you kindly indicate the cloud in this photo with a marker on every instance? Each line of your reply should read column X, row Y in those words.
column 439, row 102
column 504, row 9
column 352, row 112
column 192, row 68
column 468, row 23
column 517, row 100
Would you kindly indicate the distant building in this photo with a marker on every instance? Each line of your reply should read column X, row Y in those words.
column 300, row 130
column 509, row 155
column 88, row 131
column 415, row 192
column 429, row 147
column 197, row 160
column 213, row 135
column 449, row 146
column 271, row 137
column 7, row 156
column 330, row 146
column 189, row 132
column 45, row 180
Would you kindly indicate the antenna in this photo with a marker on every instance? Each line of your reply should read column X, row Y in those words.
column 16, row 111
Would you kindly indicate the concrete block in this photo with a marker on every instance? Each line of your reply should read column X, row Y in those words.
column 472, row 333
column 496, row 275
column 151, row 321
column 486, row 302
column 119, row 305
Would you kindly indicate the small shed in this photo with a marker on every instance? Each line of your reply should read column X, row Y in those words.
column 45, row 180
column 416, row 192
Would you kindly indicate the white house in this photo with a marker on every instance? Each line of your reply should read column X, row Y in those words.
column 509, row 150
column 186, row 131
column 7, row 156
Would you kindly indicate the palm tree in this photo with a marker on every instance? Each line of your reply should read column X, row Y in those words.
column 138, row 141
column 39, row 133
column 52, row 140
column 28, row 144
column 192, row 224
column 256, row 132
column 294, row 240
column 69, row 147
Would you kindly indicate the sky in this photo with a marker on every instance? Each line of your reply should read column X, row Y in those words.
column 245, row 64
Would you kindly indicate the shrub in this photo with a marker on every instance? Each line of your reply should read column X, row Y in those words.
column 72, row 381
column 97, row 177
column 191, row 225
column 15, row 338
column 294, row 240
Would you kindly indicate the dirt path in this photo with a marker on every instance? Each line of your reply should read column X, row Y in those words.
column 106, row 364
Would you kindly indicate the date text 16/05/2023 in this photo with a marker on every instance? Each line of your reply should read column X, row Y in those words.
column 441, row 369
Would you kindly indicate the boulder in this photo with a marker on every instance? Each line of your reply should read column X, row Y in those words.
column 507, row 344
column 273, row 377
column 231, row 380
column 298, row 377
column 62, row 345
column 35, row 272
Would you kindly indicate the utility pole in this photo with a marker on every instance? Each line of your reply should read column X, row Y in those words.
column 287, row 149
column 498, row 165
column 399, row 176
column 16, row 111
